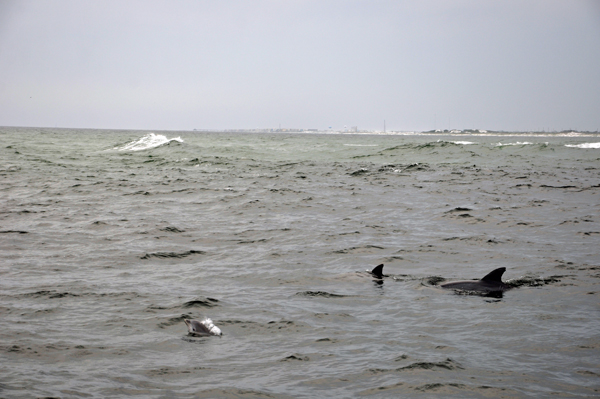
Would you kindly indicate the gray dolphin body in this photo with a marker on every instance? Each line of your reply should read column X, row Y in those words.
column 488, row 285
column 202, row 327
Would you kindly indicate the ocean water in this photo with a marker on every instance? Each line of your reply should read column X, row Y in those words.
column 109, row 239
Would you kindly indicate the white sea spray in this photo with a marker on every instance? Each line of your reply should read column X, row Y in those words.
column 151, row 140
column 584, row 145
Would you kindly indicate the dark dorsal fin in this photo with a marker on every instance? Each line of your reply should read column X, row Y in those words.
column 378, row 271
column 495, row 275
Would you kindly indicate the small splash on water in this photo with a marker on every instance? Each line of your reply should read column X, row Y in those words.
column 433, row 281
column 532, row 281
column 147, row 142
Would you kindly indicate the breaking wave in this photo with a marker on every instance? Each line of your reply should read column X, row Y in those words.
column 516, row 143
column 463, row 142
column 147, row 142
column 584, row 145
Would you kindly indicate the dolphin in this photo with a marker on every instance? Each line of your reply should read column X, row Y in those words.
column 377, row 272
column 490, row 284
column 202, row 327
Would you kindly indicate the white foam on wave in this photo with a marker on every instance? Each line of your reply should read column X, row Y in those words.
column 517, row 143
column 361, row 145
column 584, row 145
column 146, row 142
column 463, row 142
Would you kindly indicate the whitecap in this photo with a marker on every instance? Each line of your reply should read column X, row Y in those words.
column 146, row 142
column 463, row 142
column 584, row 145
column 517, row 143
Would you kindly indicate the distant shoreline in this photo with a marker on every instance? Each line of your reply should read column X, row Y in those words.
column 454, row 132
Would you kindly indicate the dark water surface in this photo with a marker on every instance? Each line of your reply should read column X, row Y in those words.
column 109, row 239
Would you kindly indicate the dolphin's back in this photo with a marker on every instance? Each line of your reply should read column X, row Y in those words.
column 495, row 276
column 491, row 282
column 203, row 327
column 378, row 271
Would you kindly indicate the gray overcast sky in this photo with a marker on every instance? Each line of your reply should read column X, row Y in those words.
column 420, row 65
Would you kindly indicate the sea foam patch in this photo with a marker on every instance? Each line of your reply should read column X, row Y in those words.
column 148, row 141
column 584, row 145
column 463, row 142
column 516, row 143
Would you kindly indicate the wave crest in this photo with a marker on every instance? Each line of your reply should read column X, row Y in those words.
column 147, row 142
column 584, row 145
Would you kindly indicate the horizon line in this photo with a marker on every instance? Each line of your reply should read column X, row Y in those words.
column 353, row 130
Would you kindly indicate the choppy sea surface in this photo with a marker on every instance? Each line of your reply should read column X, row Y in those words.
column 109, row 239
